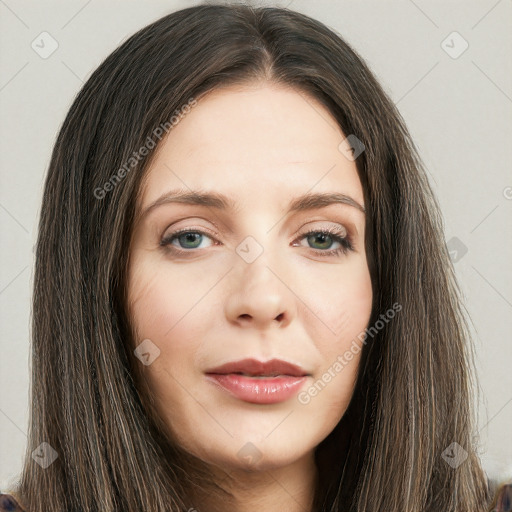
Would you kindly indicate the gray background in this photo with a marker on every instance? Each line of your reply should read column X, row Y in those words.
column 457, row 107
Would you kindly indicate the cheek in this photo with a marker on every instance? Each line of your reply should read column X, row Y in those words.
column 342, row 310
column 159, row 313
column 346, row 311
column 342, row 307
column 163, row 304
column 169, row 313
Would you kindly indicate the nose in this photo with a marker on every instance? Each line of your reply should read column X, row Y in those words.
column 259, row 297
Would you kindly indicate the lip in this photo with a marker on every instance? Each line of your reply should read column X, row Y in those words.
column 266, row 382
column 258, row 390
column 252, row 367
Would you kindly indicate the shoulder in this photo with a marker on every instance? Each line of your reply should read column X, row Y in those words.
column 9, row 504
column 503, row 498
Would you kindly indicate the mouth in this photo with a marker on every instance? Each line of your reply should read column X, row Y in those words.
column 258, row 376
column 259, row 382
column 259, row 369
column 258, row 389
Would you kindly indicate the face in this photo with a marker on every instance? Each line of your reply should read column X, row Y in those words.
column 214, row 283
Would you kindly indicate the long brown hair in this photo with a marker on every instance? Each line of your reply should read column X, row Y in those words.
column 413, row 396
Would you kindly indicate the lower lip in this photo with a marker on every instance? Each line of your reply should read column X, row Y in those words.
column 270, row 390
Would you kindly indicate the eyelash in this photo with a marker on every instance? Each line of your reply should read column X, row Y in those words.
column 345, row 242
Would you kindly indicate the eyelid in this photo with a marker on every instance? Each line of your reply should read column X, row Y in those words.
column 345, row 223
column 341, row 228
column 219, row 225
column 191, row 227
column 175, row 233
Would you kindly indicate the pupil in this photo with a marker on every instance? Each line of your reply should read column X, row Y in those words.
column 191, row 237
column 322, row 237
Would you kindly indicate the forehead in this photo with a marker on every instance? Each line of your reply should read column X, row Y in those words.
column 259, row 143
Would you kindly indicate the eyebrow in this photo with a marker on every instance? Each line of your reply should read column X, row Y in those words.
column 305, row 202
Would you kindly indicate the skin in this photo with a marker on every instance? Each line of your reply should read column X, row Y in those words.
column 261, row 145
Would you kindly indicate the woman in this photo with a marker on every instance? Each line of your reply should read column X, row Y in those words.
column 307, row 352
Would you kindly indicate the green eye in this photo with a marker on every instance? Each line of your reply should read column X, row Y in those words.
column 191, row 239
column 326, row 238
column 187, row 239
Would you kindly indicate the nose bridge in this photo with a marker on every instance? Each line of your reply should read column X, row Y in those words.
column 259, row 292
column 255, row 262
column 259, row 246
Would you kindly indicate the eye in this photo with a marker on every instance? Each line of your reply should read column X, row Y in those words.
column 325, row 238
column 188, row 239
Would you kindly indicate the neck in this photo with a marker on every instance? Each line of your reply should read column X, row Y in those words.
column 290, row 488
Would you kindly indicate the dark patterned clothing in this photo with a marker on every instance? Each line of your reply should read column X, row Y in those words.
column 9, row 504
column 502, row 501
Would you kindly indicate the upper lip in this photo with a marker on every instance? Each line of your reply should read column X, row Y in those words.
column 255, row 367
